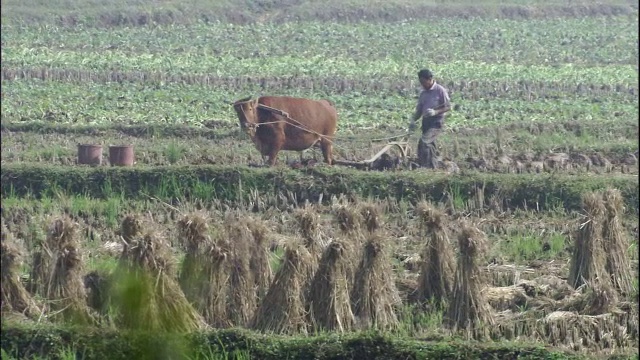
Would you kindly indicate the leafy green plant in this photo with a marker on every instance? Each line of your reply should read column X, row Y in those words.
column 174, row 152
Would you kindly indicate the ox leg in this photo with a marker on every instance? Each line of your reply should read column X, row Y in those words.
column 273, row 156
column 326, row 147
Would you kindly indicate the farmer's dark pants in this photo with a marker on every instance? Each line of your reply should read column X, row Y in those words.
column 427, row 151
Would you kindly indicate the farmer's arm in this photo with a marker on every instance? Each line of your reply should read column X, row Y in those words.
column 446, row 103
column 418, row 112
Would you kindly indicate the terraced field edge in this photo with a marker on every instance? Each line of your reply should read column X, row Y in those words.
column 246, row 184
column 233, row 343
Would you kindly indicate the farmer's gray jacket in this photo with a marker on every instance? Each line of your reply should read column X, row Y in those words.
column 434, row 98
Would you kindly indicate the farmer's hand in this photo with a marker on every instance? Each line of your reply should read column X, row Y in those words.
column 412, row 126
column 431, row 112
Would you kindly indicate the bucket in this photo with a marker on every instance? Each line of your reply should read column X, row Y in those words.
column 89, row 154
column 121, row 155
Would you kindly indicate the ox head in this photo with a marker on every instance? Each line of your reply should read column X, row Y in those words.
column 247, row 110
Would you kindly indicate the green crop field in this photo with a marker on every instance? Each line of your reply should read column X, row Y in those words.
column 522, row 245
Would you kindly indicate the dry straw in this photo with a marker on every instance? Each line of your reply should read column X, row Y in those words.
column 130, row 227
column 145, row 250
column 309, row 227
column 595, row 334
column 145, row 294
column 506, row 297
column 15, row 297
column 437, row 268
column 65, row 287
column 97, row 286
column 259, row 262
column 371, row 216
column 212, row 295
column 616, row 243
column 375, row 297
column 349, row 220
column 597, row 298
column 193, row 234
column 242, row 300
column 283, row 309
column 42, row 264
column 588, row 260
column 329, row 300
column 205, row 274
column 468, row 309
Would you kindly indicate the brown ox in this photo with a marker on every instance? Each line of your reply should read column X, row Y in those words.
column 309, row 123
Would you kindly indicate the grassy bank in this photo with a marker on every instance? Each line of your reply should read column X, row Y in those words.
column 236, row 184
column 54, row 343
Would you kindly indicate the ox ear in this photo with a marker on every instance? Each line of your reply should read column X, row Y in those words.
column 243, row 100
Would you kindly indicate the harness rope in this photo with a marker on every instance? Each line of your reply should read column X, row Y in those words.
column 286, row 115
column 300, row 125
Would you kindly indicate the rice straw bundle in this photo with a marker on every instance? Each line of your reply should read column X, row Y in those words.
column 282, row 310
column 616, row 243
column 242, row 299
column 65, row 286
column 212, row 295
column 145, row 295
column 375, row 296
column 349, row 220
column 371, row 216
column 309, row 225
column 130, row 227
column 468, row 309
column 588, row 260
column 437, row 265
column 329, row 300
column 43, row 257
column 194, row 237
column 259, row 262
column 97, row 287
column 14, row 295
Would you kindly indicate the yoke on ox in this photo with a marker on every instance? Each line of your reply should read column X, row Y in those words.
column 277, row 123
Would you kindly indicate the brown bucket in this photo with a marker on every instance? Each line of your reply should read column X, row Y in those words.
column 89, row 154
column 121, row 155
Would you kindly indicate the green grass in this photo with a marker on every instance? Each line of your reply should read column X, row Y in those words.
column 275, row 259
column 140, row 13
column 240, row 344
column 495, row 49
column 228, row 183
column 415, row 322
column 523, row 248
column 174, row 152
column 172, row 104
column 186, row 74
column 103, row 265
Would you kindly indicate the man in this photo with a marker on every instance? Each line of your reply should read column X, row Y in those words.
column 432, row 106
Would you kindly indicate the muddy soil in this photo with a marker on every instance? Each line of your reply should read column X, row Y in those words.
column 464, row 149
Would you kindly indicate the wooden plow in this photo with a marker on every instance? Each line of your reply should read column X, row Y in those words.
column 402, row 145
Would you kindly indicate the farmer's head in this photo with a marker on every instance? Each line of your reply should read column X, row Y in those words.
column 426, row 78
